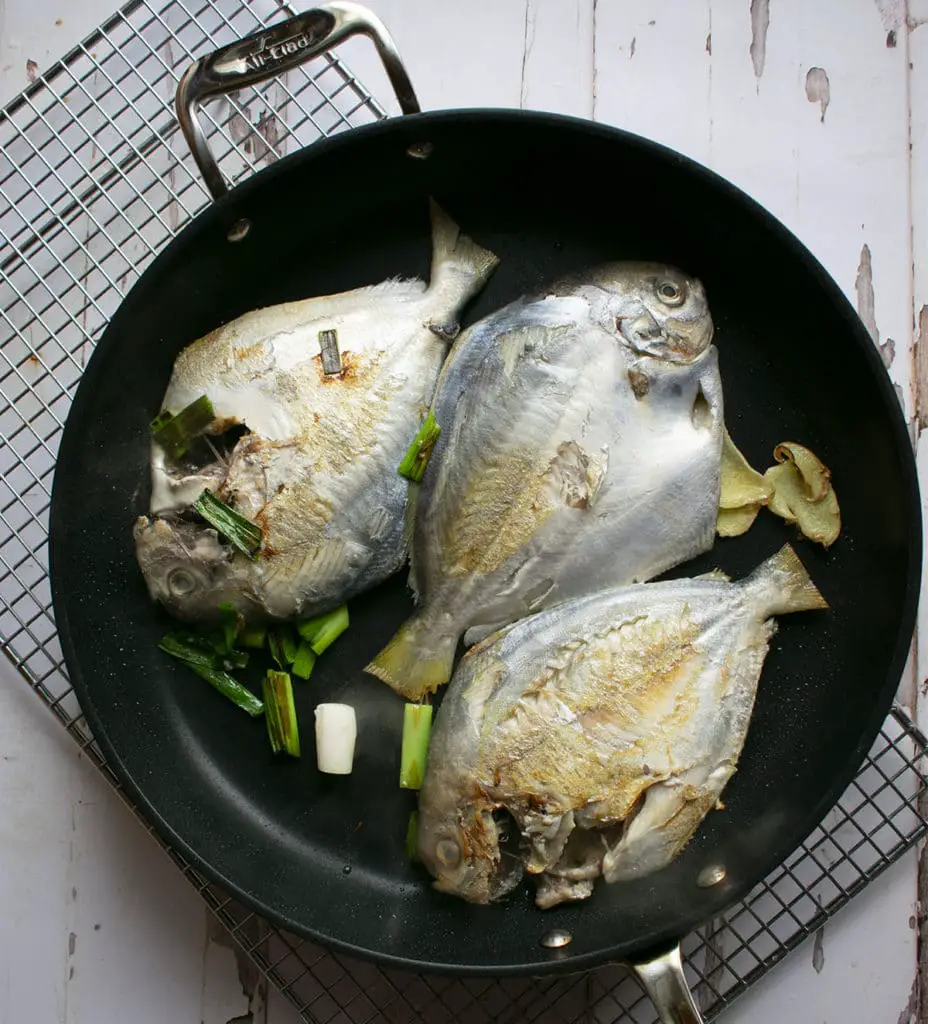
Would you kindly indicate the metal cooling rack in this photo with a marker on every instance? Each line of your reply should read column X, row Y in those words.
column 94, row 180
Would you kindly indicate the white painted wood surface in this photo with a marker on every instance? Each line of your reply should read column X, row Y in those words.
column 812, row 108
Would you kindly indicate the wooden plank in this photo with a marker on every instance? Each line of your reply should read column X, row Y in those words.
column 457, row 55
column 652, row 71
column 134, row 921
column 35, row 834
column 916, row 40
column 95, row 917
column 858, row 971
column 40, row 32
column 557, row 66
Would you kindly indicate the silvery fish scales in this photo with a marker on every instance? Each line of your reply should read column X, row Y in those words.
column 580, row 447
column 329, row 392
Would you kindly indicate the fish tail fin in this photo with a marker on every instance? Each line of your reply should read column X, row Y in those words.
column 460, row 267
column 417, row 660
column 785, row 584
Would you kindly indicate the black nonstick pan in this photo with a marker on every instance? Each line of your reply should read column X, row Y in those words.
column 325, row 856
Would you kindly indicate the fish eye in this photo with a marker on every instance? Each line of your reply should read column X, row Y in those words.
column 448, row 853
column 670, row 293
column 181, row 582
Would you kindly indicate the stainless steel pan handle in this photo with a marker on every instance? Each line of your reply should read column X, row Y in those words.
column 665, row 983
column 272, row 52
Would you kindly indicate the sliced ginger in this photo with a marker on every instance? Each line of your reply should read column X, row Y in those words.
column 798, row 489
column 743, row 491
column 802, row 493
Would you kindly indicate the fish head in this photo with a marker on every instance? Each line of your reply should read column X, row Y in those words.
column 656, row 309
column 187, row 569
column 461, row 849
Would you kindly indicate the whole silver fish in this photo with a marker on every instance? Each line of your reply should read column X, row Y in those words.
column 607, row 727
column 317, row 466
column 580, row 447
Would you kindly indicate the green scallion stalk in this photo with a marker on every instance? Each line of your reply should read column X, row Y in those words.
column 282, row 728
column 232, row 659
column 232, row 689
column 417, row 727
column 174, row 433
column 305, row 661
column 199, row 656
column 241, row 532
column 199, row 649
column 231, row 621
column 322, row 631
column 412, row 837
column 416, row 458
column 161, row 420
column 190, row 649
column 283, row 645
column 253, row 636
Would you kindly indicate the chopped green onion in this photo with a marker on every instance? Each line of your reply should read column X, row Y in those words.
column 232, row 689
column 416, row 458
column 242, row 533
column 282, row 728
column 233, row 659
column 160, row 420
column 203, row 651
column 304, row 661
column 174, row 433
column 190, row 649
column 322, row 631
column 232, row 621
column 253, row 636
column 283, row 646
column 417, row 727
column 412, row 837
column 199, row 656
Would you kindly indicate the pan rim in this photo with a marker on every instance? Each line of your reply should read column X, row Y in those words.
column 226, row 211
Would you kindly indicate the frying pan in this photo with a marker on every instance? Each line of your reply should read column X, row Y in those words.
column 324, row 856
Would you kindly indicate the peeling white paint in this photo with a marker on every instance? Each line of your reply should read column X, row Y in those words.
column 866, row 300
column 818, row 89
column 892, row 13
column 760, row 22
column 909, row 1014
column 921, row 368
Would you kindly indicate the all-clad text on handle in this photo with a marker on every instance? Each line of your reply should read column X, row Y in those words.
column 271, row 52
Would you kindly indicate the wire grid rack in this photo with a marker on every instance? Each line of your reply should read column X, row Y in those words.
column 94, row 180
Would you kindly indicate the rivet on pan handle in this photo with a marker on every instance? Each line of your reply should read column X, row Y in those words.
column 665, row 983
column 272, row 52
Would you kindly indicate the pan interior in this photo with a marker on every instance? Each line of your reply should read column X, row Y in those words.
column 325, row 855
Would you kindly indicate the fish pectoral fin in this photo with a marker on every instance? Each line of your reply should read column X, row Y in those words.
column 664, row 823
column 323, row 564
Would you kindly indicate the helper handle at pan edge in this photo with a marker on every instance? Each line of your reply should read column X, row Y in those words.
column 271, row 52
column 664, row 981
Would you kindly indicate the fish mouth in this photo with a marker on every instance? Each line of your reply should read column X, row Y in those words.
column 674, row 341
